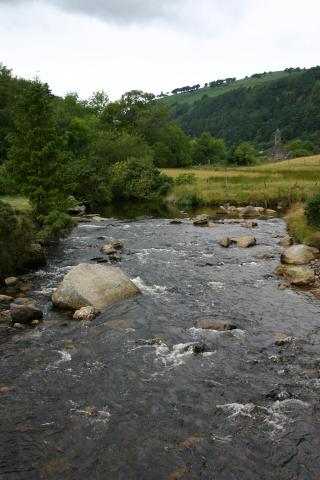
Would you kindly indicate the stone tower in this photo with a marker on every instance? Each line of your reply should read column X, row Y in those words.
column 278, row 152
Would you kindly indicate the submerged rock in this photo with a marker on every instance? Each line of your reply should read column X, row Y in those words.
column 265, row 256
column 211, row 324
column 175, row 222
column 25, row 313
column 249, row 212
column 93, row 285
column 297, row 275
column 245, row 242
column 298, row 255
column 36, row 256
column 249, row 225
column 201, row 220
column 85, row 313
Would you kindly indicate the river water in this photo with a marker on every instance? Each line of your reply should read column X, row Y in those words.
column 105, row 401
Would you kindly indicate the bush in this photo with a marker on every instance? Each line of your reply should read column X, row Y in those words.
column 312, row 210
column 185, row 179
column 15, row 237
column 55, row 225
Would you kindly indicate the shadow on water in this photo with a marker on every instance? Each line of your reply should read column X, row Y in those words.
column 126, row 397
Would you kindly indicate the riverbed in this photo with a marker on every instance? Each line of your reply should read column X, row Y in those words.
column 125, row 397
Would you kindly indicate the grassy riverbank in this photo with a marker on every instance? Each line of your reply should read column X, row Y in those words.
column 19, row 203
column 268, row 184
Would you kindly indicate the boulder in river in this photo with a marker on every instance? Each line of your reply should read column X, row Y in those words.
column 201, row 220
column 245, row 242
column 98, row 286
column 265, row 256
column 298, row 255
column 249, row 225
column 211, row 324
column 25, row 313
column 225, row 242
column 300, row 275
column 286, row 241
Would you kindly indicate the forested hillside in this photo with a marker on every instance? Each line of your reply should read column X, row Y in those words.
column 254, row 113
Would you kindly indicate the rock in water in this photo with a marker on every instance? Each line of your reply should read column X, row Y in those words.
column 85, row 313
column 249, row 212
column 225, row 242
column 298, row 255
column 201, row 220
column 36, row 256
column 108, row 249
column 25, row 313
column 296, row 275
column 245, row 242
column 93, row 285
column 286, row 241
column 212, row 324
column 117, row 244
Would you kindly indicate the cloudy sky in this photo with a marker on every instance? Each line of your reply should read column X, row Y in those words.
column 154, row 45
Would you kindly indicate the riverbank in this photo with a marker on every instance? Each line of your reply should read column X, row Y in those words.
column 267, row 185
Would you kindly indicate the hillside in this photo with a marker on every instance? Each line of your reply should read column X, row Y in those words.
column 191, row 98
column 253, row 113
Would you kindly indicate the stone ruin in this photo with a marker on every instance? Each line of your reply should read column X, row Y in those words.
column 278, row 152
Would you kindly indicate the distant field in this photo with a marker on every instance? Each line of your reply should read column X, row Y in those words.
column 190, row 98
column 19, row 203
column 267, row 184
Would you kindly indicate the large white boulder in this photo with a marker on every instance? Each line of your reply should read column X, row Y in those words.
column 93, row 285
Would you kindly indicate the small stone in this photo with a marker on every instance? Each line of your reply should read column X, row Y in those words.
column 201, row 220
column 117, row 244
column 115, row 258
column 225, row 242
column 35, row 322
column 280, row 336
column 175, row 222
column 11, row 281
column 212, row 225
column 249, row 225
column 286, row 241
column 265, row 256
column 249, row 212
column 18, row 326
column 269, row 211
column 5, row 299
column 283, row 286
column 86, row 313
column 5, row 389
column 108, row 249
column 245, row 242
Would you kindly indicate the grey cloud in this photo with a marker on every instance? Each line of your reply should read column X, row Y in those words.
column 120, row 11
column 137, row 11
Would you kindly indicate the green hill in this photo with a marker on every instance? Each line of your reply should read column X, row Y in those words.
column 252, row 112
column 247, row 82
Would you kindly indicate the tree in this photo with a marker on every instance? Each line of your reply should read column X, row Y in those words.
column 243, row 154
column 172, row 148
column 36, row 159
column 207, row 150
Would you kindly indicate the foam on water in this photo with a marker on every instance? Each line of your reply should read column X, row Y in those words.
column 155, row 290
column 216, row 285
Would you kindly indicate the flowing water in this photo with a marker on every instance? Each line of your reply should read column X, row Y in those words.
column 125, row 397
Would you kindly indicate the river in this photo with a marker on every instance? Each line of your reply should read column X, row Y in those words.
column 125, row 397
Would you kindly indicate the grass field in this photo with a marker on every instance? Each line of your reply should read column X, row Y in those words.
column 19, row 203
column 190, row 98
column 267, row 185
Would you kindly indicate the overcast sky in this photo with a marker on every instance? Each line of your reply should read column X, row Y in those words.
column 154, row 45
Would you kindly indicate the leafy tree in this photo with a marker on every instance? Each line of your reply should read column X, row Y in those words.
column 207, row 150
column 243, row 154
column 36, row 159
column 172, row 148
column 15, row 236
column 301, row 148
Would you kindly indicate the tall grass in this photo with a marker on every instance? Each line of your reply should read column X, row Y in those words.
column 267, row 185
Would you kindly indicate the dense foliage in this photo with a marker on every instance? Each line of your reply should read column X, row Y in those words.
column 15, row 236
column 253, row 114
column 312, row 210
